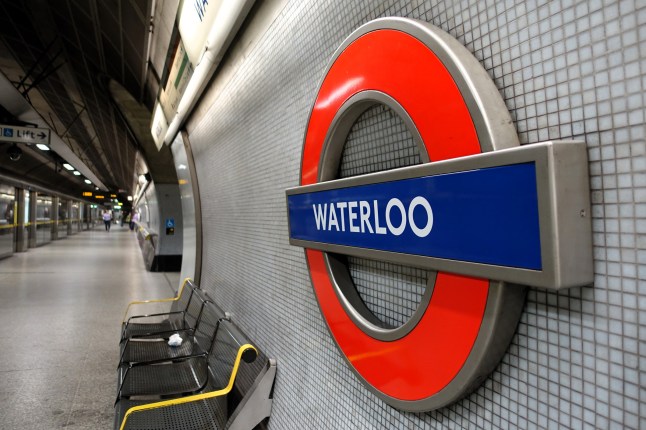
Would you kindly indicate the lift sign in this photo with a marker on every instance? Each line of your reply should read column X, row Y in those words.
column 487, row 216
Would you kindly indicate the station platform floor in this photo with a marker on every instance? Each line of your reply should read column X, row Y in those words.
column 61, row 307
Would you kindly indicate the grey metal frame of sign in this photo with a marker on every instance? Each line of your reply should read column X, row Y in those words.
column 563, row 202
column 495, row 132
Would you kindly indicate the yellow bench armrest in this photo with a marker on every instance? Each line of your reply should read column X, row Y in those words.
column 170, row 299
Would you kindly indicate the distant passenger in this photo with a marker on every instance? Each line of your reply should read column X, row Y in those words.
column 107, row 219
column 128, row 220
column 134, row 220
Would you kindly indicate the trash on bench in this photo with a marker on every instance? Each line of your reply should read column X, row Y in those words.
column 175, row 340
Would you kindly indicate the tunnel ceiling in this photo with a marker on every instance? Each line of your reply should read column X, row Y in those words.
column 62, row 55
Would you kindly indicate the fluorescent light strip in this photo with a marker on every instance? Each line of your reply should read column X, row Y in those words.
column 68, row 166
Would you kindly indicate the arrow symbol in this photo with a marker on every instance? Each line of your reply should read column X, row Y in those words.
column 42, row 135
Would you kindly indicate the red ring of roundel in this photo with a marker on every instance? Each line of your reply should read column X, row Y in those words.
column 424, row 361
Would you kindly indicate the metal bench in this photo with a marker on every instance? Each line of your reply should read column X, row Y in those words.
column 154, row 346
column 178, row 374
column 236, row 393
column 180, row 315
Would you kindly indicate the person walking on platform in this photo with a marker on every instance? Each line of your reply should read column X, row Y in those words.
column 134, row 220
column 107, row 219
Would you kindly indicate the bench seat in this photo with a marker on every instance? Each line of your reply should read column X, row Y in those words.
column 180, row 314
column 196, row 341
column 164, row 379
column 203, row 414
column 151, row 349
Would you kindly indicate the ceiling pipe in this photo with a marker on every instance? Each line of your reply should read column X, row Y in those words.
column 226, row 24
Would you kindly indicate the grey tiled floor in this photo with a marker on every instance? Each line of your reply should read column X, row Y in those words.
column 61, row 306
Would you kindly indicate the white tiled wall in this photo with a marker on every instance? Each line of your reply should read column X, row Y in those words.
column 567, row 70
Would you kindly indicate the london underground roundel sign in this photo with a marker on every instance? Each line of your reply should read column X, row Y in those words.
column 477, row 211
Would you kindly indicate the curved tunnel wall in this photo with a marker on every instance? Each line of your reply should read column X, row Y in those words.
column 567, row 70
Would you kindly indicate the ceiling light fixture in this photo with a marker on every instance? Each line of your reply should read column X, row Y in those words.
column 42, row 147
column 68, row 166
column 76, row 173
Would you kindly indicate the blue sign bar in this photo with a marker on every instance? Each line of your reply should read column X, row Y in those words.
column 487, row 216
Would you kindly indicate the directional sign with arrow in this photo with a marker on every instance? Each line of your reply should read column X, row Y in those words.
column 12, row 133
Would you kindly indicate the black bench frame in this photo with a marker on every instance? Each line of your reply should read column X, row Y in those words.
column 188, row 287
column 203, row 354
column 189, row 333
column 252, row 403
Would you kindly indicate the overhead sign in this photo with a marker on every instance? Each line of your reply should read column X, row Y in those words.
column 12, row 133
column 178, row 77
column 480, row 210
column 87, row 193
column 195, row 21
column 158, row 127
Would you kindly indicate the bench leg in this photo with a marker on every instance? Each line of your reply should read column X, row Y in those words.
column 256, row 407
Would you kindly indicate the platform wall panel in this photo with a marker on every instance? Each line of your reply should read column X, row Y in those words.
column 566, row 70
